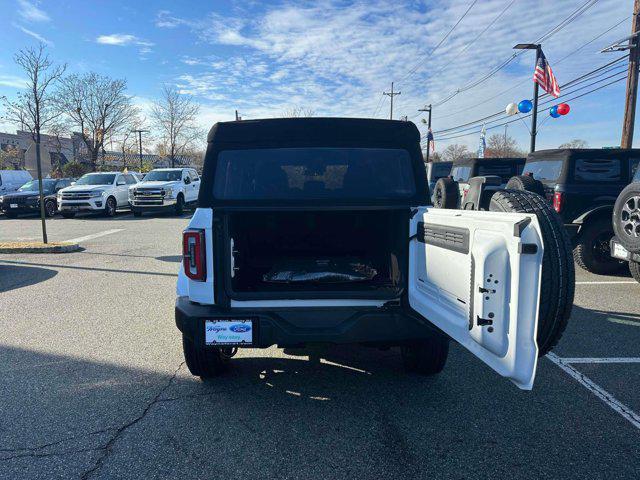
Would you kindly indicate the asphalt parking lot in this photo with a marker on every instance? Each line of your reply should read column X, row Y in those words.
column 92, row 384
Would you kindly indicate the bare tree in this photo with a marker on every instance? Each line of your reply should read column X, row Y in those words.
column 98, row 105
column 296, row 111
column 174, row 116
column 455, row 152
column 10, row 157
column 35, row 108
column 575, row 143
column 502, row 146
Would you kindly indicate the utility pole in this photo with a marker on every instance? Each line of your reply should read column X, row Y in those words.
column 632, row 80
column 237, row 116
column 505, row 135
column 534, row 114
column 427, row 109
column 140, row 132
column 391, row 94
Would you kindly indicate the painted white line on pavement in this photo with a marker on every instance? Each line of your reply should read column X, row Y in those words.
column 598, row 391
column 601, row 360
column 95, row 235
column 615, row 282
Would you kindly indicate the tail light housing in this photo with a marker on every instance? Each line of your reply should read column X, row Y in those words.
column 557, row 201
column 194, row 254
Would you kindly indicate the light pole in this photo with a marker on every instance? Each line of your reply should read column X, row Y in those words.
column 140, row 132
column 428, row 109
column 534, row 114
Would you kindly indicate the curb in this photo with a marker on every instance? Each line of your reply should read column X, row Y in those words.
column 66, row 248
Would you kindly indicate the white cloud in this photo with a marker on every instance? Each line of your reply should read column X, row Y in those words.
column 33, row 34
column 30, row 12
column 337, row 58
column 122, row 40
column 12, row 81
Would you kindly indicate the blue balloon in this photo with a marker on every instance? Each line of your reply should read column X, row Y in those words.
column 553, row 111
column 525, row 106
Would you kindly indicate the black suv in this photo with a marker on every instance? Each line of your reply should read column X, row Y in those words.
column 582, row 185
column 451, row 191
column 27, row 198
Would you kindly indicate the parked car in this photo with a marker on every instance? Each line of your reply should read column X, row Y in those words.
column 164, row 188
column 317, row 230
column 11, row 180
column 583, row 185
column 625, row 245
column 450, row 192
column 102, row 192
column 436, row 171
column 27, row 198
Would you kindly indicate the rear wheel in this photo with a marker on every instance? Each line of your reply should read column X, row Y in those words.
column 426, row 357
column 445, row 193
column 179, row 208
column 592, row 251
column 205, row 362
column 634, row 269
column 558, row 274
column 50, row 208
column 110, row 207
column 526, row 182
column 68, row 214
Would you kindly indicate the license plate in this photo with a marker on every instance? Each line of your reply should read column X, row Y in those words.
column 13, row 205
column 228, row 332
column 620, row 252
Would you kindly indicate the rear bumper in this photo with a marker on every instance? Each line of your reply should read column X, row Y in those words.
column 302, row 326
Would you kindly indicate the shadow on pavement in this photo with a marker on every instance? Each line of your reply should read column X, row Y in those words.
column 17, row 276
column 354, row 414
column 95, row 269
column 170, row 258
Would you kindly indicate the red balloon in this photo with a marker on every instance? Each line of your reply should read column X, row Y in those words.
column 563, row 108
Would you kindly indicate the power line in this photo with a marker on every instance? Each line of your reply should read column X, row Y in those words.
column 573, row 16
column 413, row 70
column 528, row 78
column 584, row 77
column 528, row 115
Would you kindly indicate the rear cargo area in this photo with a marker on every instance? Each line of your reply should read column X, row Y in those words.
column 279, row 254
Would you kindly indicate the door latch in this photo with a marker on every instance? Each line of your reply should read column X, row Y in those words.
column 481, row 322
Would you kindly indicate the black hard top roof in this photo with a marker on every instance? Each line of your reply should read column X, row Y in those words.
column 315, row 130
column 566, row 153
column 471, row 161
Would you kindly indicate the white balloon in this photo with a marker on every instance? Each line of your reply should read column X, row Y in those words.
column 511, row 109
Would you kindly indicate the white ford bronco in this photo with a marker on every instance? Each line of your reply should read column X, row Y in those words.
column 317, row 230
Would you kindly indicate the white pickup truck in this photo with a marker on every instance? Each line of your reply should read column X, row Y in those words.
column 162, row 188
column 318, row 230
column 103, row 192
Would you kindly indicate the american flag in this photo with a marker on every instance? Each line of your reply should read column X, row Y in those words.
column 431, row 143
column 545, row 78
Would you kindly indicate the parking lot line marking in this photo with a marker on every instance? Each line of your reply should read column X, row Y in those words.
column 597, row 390
column 622, row 321
column 601, row 360
column 95, row 235
column 613, row 282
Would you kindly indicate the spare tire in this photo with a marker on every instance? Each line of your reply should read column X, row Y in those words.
column 557, row 284
column 445, row 193
column 526, row 182
column 626, row 217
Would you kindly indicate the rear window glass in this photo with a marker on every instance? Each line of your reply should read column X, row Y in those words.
column 544, row 170
column 318, row 173
column 461, row 174
column 439, row 170
column 504, row 171
column 598, row 170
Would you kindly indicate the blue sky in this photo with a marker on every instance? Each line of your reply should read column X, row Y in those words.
column 334, row 57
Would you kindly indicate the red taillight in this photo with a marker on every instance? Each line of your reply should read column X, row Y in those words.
column 557, row 201
column 193, row 255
